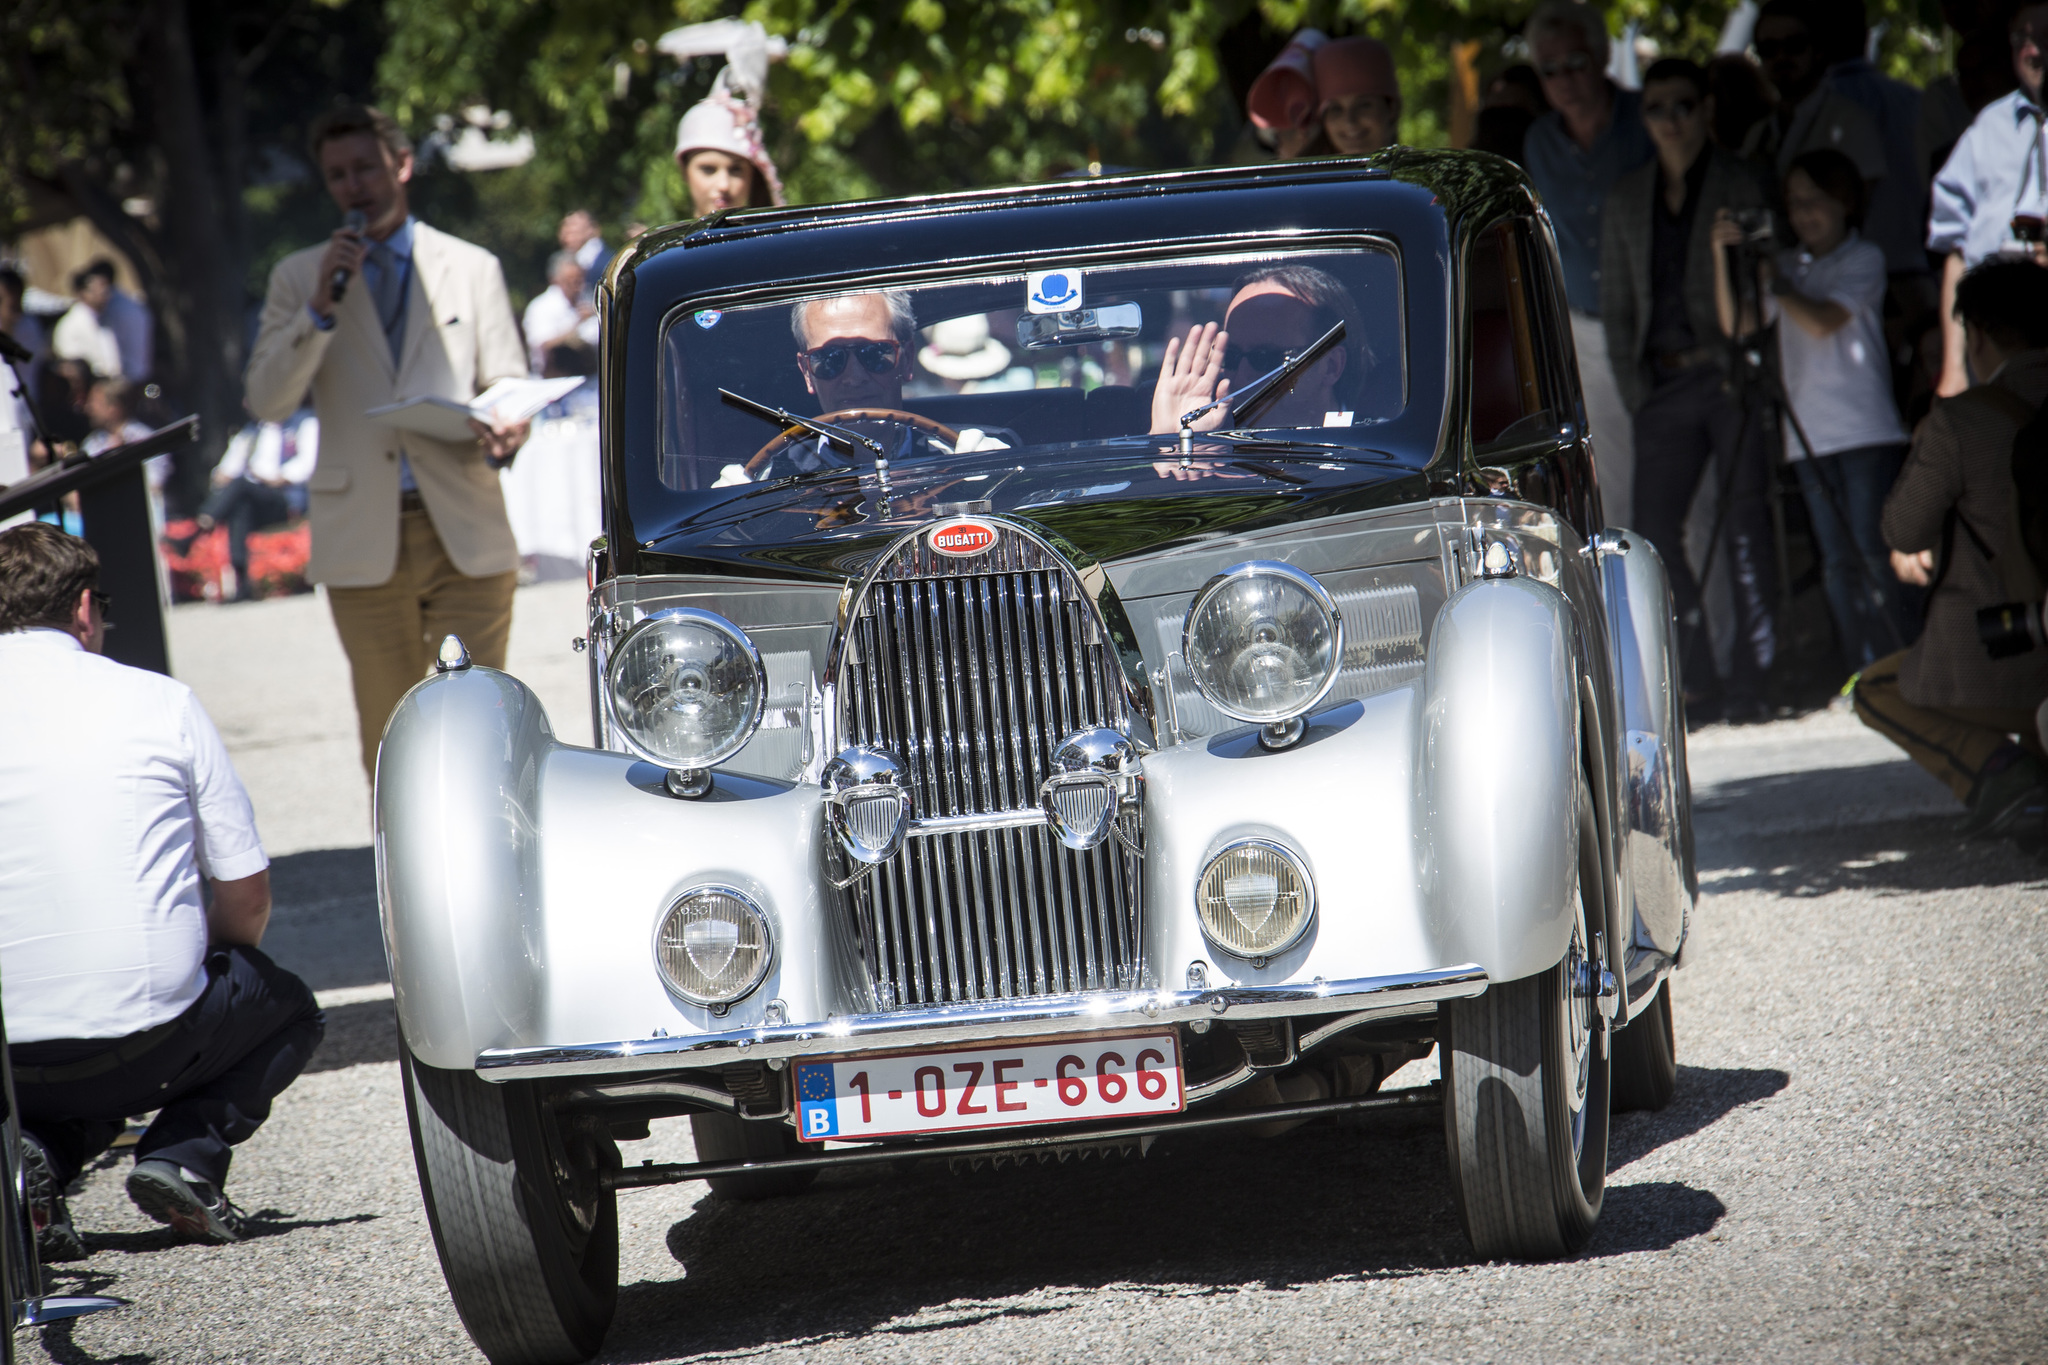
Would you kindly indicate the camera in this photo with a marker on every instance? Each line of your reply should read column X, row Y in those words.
column 1755, row 223
column 2010, row 629
column 2029, row 227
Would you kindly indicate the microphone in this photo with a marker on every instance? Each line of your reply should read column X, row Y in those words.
column 337, row 286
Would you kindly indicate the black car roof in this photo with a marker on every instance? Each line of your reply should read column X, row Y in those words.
column 1397, row 186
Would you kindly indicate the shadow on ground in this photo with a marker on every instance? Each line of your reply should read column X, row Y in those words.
column 1202, row 1215
column 323, row 919
column 356, row 1034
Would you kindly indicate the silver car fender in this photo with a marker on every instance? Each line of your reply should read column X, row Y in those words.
column 1500, row 773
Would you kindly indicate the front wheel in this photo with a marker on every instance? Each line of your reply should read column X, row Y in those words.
column 527, row 1233
column 1526, row 1086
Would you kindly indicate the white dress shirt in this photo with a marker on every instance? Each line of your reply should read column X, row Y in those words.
column 551, row 316
column 1998, row 168
column 84, row 335
column 116, row 797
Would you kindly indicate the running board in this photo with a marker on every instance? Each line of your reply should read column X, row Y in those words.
column 57, row 1307
column 676, row 1172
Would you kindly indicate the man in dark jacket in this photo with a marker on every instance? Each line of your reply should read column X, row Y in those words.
column 1965, row 717
column 1657, row 303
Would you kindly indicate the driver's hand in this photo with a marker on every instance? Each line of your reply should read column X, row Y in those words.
column 1188, row 378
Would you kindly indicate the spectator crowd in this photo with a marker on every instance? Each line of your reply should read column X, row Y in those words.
column 1789, row 271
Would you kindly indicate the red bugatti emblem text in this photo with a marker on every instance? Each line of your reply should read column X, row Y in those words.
column 963, row 538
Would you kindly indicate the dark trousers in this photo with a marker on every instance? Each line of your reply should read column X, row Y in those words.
column 243, row 506
column 1845, row 495
column 1689, row 425
column 212, row 1075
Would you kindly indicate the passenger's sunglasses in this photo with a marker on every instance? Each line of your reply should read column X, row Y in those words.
column 1574, row 63
column 1770, row 49
column 2024, row 34
column 876, row 357
column 1676, row 110
column 1260, row 358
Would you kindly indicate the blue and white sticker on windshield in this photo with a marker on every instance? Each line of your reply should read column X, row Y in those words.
column 707, row 318
column 1053, row 291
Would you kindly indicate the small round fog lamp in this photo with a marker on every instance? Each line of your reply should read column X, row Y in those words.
column 713, row 946
column 1254, row 899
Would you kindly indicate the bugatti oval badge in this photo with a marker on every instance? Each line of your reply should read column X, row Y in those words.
column 961, row 539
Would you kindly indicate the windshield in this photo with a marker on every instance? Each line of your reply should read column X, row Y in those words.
column 1052, row 358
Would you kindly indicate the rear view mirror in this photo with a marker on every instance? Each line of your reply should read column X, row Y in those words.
column 1110, row 322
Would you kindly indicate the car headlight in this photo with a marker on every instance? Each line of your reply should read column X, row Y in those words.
column 1263, row 642
column 713, row 946
column 685, row 688
column 1254, row 899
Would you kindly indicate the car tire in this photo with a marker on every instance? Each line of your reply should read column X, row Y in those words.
column 1526, row 1089
column 1646, row 1057
column 527, row 1234
column 727, row 1137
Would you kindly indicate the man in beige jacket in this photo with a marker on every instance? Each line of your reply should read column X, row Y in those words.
column 409, row 533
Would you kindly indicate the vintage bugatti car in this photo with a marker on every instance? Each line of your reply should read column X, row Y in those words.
column 1070, row 665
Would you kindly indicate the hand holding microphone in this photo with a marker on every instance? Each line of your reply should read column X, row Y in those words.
column 344, row 256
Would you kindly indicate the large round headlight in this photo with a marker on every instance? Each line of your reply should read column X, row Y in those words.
column 713, row 946
column 1254, row 899
column 1263, row 642
column 686, row 688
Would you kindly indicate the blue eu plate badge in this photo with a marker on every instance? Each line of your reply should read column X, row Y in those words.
column 817, row 1100
column 1053, row 291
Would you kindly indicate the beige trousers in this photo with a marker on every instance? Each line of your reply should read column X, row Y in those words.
column 392, row 632
column 1950, row 742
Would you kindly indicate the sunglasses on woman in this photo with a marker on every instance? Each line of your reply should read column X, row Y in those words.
column 1260, row 358
column 876, row 357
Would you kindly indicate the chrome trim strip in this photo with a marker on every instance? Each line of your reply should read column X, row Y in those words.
column 932, row 826
column 952, row 1025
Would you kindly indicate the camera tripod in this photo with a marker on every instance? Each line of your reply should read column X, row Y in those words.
column 1760, row 395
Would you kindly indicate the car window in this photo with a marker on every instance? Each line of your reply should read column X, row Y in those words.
column 1513, row 398
column 1052, row 358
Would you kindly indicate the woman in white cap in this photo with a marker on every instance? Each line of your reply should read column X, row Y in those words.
column 725, row 164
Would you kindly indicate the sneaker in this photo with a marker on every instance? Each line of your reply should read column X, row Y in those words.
column 2004, row 798
column 196, row 1208
column 56, row 1239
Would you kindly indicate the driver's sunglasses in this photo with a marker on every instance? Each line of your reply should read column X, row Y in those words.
column 876, row 357
column 1574, row 63
column 1261, row 358
column 1770, row 49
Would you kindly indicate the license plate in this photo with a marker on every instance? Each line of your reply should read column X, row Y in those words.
column 896, row 1094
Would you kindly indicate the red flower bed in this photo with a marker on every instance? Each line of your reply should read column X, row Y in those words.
column 277, row 562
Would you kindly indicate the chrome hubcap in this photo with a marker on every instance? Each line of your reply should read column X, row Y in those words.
column 1579, row 1020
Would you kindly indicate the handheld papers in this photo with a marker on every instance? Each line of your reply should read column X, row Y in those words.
column 445, row 419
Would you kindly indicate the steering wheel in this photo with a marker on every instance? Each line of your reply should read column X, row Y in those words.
column 940, row 430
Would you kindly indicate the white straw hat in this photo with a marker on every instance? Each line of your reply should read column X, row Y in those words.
column 723, row 124
column 961, row 348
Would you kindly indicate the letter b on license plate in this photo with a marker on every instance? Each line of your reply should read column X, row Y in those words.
column 995, row 1087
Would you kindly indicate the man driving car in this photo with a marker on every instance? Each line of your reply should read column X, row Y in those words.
column 1274, row 313
column 854, row 353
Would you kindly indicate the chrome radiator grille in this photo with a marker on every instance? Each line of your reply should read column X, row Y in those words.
column 972, row 672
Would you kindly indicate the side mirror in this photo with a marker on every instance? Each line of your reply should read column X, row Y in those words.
column 1110, row 322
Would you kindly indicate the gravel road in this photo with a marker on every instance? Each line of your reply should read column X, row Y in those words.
column 1852, row 1170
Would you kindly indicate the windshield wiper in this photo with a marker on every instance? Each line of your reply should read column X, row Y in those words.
column 844, row 437
column 1258, row 395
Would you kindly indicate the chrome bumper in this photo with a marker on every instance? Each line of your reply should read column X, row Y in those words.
column 1373, row 997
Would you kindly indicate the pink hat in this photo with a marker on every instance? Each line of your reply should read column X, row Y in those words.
column 1284, row 95
column 724, row 124
column 1355, row 66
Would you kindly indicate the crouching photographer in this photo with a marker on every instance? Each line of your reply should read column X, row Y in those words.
column 1963, row 700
